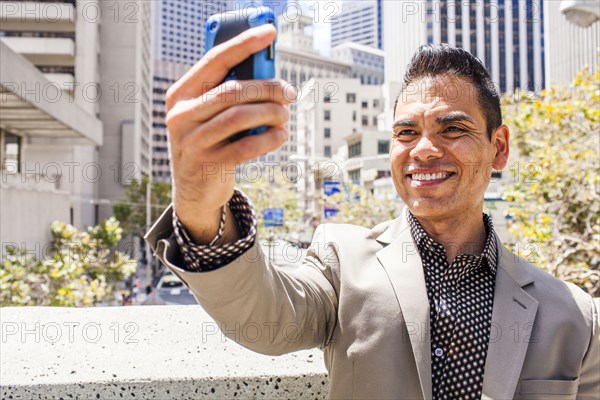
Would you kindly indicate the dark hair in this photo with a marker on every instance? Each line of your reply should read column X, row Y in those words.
column 433, row 60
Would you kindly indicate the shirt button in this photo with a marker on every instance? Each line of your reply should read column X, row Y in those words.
column 439, row 352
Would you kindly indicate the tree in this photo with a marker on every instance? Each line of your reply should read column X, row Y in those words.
column 555, row 190
column 132, row 211
column 81, row 269
column 274, row 193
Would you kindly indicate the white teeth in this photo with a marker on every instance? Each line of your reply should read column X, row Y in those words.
column 429, row 177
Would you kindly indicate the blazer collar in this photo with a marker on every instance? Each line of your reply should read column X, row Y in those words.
column 393, row 229
column 401, row 260
column 513, row 307
column 513, row 326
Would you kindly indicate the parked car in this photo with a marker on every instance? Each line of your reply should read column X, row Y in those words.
column 172, row 290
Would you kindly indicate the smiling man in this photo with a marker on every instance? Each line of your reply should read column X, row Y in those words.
column 430, row 305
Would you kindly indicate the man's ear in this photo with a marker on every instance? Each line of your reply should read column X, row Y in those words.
column 500, row 139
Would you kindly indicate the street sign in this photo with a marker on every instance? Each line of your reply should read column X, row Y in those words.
column 329, row 189
column 273, row 217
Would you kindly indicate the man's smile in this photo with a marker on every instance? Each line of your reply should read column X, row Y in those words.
column 424, row 177
column 425, row 180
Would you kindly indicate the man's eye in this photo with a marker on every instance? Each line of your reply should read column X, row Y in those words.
column 453, row 130
column 405, row 133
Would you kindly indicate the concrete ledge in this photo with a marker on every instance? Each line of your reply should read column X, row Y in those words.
column 151, row 352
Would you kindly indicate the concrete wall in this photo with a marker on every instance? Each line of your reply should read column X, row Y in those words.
column 149, row 352
column 72, row 168
column 27, row 209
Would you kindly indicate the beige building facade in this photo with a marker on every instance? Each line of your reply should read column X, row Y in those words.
column 75, row 108
column 330, row 110
column 50, row 130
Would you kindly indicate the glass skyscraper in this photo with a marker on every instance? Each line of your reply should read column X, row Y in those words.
column 507, row 35
column 359, row 22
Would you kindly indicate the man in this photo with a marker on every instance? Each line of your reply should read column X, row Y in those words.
column 430, row 305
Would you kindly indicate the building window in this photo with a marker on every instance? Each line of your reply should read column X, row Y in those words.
column 354, row 116
column 355, row 150
column 383, row 147
column 327, row 133
column 327, row 97
column 284, row 74
column 374, row 121
column 327, row 115
column 365, row 120
column 11, row 154
column 354, row 175
column 350, row 97
column 327, row 151
column 364, row 104
column 375, row 103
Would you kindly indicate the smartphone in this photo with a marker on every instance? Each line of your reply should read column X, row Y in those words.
column 224, row 26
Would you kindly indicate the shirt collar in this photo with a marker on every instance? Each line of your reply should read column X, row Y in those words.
column 424, row 241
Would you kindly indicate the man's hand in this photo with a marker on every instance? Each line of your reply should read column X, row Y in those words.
column 202, row 114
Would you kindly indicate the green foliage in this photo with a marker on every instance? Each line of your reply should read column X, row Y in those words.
column 358, row 206
column 555, row 190
column 81, row 268
column 132, row 211
column 275, row 193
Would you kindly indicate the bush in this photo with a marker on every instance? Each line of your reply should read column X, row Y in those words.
column 81, row 269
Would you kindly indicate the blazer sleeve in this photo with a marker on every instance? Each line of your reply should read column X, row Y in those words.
column 269, row 309
column 589, row 378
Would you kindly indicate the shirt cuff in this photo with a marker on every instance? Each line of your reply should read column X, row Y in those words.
column 200, row 258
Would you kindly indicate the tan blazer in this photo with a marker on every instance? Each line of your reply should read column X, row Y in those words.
column 360, row 296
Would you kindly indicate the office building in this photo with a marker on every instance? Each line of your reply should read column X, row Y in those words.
column 367, row 63
column 297, row 63
column 367, row 159
column 75, row 111
column 49, row 125
column 165, row 74
column 325, row 119
column 178, row 44
column 358, row 22
column 179, row 32
column 568, row 47
column 506, row 35
column 126, row 107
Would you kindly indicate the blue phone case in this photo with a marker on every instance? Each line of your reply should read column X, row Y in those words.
column 261, row 65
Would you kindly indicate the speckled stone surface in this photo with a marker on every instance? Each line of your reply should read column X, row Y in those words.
column 151, row 352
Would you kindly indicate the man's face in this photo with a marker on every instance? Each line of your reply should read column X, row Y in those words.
column 441, row 156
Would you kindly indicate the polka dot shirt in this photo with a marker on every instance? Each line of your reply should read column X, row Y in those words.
column 461, row 296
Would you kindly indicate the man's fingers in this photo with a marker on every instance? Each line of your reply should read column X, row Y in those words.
column 213, row 67
column 186, row 115
column 236, row 119
column 253, row 146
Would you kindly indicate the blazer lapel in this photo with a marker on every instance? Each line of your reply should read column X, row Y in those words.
column 512, row 328
column 402, row 263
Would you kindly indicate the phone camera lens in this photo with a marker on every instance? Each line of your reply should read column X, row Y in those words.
column 213, row 26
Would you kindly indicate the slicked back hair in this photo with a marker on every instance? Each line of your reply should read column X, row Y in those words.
column 436, row 60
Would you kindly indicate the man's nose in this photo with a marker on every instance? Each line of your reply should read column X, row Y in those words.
column 425, row 149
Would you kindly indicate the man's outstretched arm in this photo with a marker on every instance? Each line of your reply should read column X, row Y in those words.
column 268, row 309
column 293, row 309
